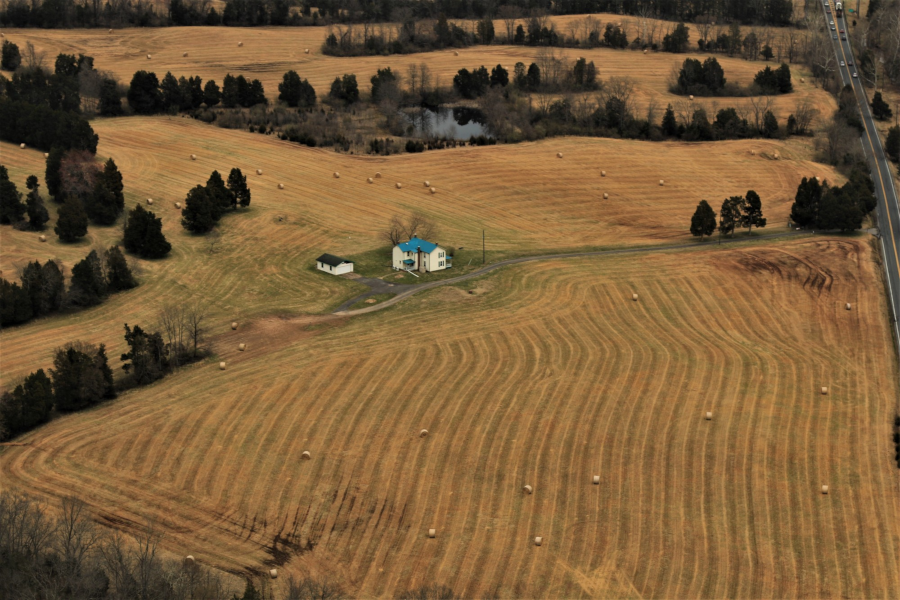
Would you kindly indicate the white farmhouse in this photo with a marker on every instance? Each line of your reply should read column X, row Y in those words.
column 334, row 264
column 422, row 256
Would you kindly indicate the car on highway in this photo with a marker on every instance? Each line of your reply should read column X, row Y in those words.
column 842, row 31
column 843, row 37
column 831, row 22
column 850, row 62
column 834, row 36
column 842, row 64
column 832, row 27
column 855, row 75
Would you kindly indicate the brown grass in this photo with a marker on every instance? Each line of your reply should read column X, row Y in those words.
column 548, row 378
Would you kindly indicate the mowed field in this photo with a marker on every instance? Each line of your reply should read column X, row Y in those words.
column 526, row 199
column 547, row 375
column 268, row 53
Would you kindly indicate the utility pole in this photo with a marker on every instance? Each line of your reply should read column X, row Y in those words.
column 482, row 246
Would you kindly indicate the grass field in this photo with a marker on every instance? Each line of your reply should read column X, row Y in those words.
column 549, row 375
column 526, row 199
column 268, row 53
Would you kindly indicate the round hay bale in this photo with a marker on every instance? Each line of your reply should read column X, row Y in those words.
column 559, row 155
column 22, row 146
column 240, row 44
column 306, row 51
column 337, row 175
column 824, row 489
column 538, row 541
column 193, row 157
column 596, row 480
column 399, row 185
column 634, row 297
column 662, row 182
column 306, row 455
column 645, row 51
column 178, row 205
column 602, row 173
column 433, row 191
column 242, row 347
column 184, row 54
column 222, row 366
column 848, row 306
column 110, row 30
column 709, row 416
column 819, row 179
column 427, row 184
column 423, row 433
column 150, row 201
column 280, row 186
column 691, row 97
column 149, row 57
column 370, row 180
column 432, row 533
column 46, row 155
column 753, row 152
column 189, row 559
column 776, row 156
column 43, row 238
column 802, row 80
column 378, row 175
column 273, row 573
column 455, row 53
column 824, row 390
column 528, row 489
column 259, row 171
column 605, row 196
column 233, row 325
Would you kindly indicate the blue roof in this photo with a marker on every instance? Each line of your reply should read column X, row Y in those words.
column 416, row 244
column 408, row 261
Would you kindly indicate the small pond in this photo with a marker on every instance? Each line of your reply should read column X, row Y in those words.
column 458, row 123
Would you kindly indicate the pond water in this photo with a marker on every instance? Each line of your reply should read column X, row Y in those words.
column 459, row 123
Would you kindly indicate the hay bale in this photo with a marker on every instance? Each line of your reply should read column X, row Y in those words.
column 280, row 186
column 634, row 297
column 46, row 155
column 662, row 182
column 273, row 573
column 259, row 171
column 184, row 54
column 605, row 196
column 455, row 53
column 378, row 175
column 178, row 205
column 848, row 306
column 306, row 51
column 596, row 480
column 538, row 541
column 824, row 489
column 150, row 201
column 802, row 80
column 337, row 175
column 189, row 560
column 43, row 238
column 222, row 366
column 602, row 173
column 370, row 180
column 149, row 57
column 242, row 347
column 776, row 156
column 399, row 185
column 306, row 455
column 240, row 44
column 433, row 191
column 432, row 533
column 528, row 489
column 645, row 51
column 824, row 390
column 427, row 184
column 691, row 97
column 22, row 146
column 193, row 157
column 423, row 433
column 110, row 31
column 709, row 416
column 234, row 325
column 559, row 155
column 753, row 152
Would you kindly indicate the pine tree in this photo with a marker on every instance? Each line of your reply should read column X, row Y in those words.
column 72, row 222
column 669, row 124
column 892, row 144
column 143, row 234
column 33, row 284
column 171, row 93
column 54, row 287
column 806, row 202
column 34, row 205
column 237, row 185
column 11, row 207
column 839, row 210
column 118, row 274
column 88, row 286
column 221, row 197
column 110, row 101
column 146, row 359
column 704, row 220
column 112, row 179
column 51, row 174
column 200, row 212
column 28, row 405
column 81, row 376
column 15, row 305
column 730, row 215
column 100, row 205
column 751, row 212
column 770, row 125
column 881, row 110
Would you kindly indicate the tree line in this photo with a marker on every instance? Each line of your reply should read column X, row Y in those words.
column 205, row 205
column 822, row 206
column 708, row 79
column 147, row 95
column 743, row 212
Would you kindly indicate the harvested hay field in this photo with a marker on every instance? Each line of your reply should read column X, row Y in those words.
column 268, row 53
column 260, row 262
column 547, row 377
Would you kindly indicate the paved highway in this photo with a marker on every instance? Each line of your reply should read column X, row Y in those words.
column 888, row 210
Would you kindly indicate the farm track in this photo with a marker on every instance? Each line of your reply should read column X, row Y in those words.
column 549, row 375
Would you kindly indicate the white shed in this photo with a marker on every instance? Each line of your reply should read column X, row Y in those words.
column 334, row 264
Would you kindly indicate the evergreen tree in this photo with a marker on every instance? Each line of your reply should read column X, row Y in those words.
column 211, row 94
column 839, row 210
column 892, row 144
column 751, row 212
column 230, row 94
column 144, row 96
column 28, row 405
column 145, row 361
column 15, row 305
column 289, row 88
column 10, row 58
column 499, row 76
column 81, row 376
column 704, row 220
column 110, row 101
column 11, row 207
column 54, row 287
column 221, row 197
column 237, row 185
column 533, row 77
column 118, row 274
column 34, row 205
column 51, row 174
column 669, row 124
column 384, row 84
column 881, row 110
column 33, row 284
column 730, row 215
column 783, row 79
column 171, row 92
column 72, row 223
column 805, row 209
column 88, row 286
column 100, row 205
column 200, row 212
column 770, row 125
column 143, row 234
